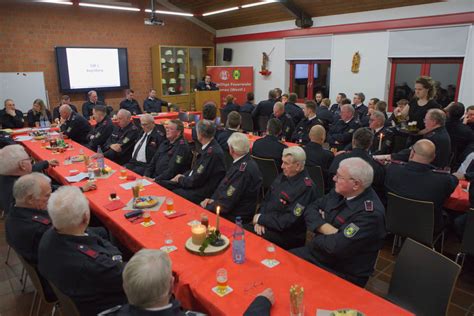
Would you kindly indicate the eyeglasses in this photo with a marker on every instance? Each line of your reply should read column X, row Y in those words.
column 337, row 177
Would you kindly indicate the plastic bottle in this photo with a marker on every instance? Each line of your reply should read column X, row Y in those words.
column 100, row 158
column 238, row 244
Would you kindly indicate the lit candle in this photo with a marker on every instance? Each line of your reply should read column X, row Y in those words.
column 198, row 233
column 218, row 210
column 380, row 141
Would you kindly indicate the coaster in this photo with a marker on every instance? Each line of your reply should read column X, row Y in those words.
column 168, row 213
column 222, row 294
column 194, row 222
column 269, row 263
column 150, row 223
column 169, row 249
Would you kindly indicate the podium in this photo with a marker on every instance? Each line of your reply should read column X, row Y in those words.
column 203, row 97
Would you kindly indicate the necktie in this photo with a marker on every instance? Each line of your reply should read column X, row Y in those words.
column 135, row 154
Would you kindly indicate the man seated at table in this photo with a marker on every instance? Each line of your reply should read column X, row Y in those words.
column 14, row 163
column 88, row 106
column 73, row 125
column 323, row 113
column 349, row 225
column 77, row 261
column 146, row 145
column 65, row 99
column 232, row 125
column 130, row 104
column 417, row 180
column 209, row 168
column 280, row 217
column 340, row 133
column 11, row 117
column 293, row 109
column 287, row 124
column 383, row 136
column 148, row 282
column 173, row 155
column 152, row 104
column 301, row 133
column 102, row 130
column 316, row 155
column 120, row 144
column 209, row 112
column 237, row 194
column 269, row 146
column 461, row 135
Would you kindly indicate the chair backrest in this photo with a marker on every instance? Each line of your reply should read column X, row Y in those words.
column 247, row 122
column 467, row 244
column 183, row 116
column 316, row 174
column 268, row 169
column 262, row 123
column 66, row 305
column 38, row 282
column 422, row 280
column 228, row 160
column 410, row 218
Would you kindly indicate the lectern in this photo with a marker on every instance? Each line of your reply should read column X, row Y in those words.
column 203, row 97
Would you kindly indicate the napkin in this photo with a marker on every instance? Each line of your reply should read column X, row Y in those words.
column 114, row 205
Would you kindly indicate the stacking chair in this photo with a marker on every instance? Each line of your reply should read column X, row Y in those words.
column 66, row 305
column 316, row 174
column 422, row 280
column 411, row 218
column 269, row 172
column 467, row 244
column 40, row 291
column 247, row 122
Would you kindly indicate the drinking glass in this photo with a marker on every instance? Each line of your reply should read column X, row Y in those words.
column 221, row 278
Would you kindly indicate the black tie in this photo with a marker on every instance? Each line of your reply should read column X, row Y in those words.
column 135, row 154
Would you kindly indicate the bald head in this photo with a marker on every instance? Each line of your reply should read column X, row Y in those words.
column 423, row 151
column 317, row 134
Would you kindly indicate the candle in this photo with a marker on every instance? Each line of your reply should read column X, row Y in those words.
column 198, row 233
column 218, row 210
column 380, row 141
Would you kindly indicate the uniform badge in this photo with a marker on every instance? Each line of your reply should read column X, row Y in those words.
column 117, row 258
column 351, row 130
column 298, row 210
column 369, row 206
column 308, row 182
column 125, row 140
column 41, row 219
column 230, row 191
column 179, row 159
column 200, row 169
column 97, row 135
column 88, row 251
column 351, row 230
column 209, row 150
column 287, row 129
column 243, row 165
column 69, row 129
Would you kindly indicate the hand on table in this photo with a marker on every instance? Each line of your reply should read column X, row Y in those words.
column 116, row 147
column 89, row 186
column 206, row 202
column 176, row 178
column 268, row 293
column 53, row 163
column 259, row 229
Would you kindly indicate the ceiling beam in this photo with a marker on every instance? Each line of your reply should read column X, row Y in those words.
column 294, row 9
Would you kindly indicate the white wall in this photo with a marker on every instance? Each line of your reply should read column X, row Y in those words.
column 466, row 93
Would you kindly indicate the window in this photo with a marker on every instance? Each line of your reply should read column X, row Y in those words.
column 309, row 77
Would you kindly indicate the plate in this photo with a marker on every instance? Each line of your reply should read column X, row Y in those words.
column 210, row 250
column 77, row 158
column 40, row 137
column 145, row 202
column 51, row 148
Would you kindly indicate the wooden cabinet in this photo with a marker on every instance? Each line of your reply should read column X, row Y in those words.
column 177, row 70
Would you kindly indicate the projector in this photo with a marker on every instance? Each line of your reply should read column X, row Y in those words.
column 154, row 21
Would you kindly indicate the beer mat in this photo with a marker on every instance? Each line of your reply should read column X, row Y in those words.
column 194, row 222
column 270, row 263
column 114, row 205
column 161, row 200
column 344, row 311
column 222, row 294
column 130, row 185
column 169, row 213
column 107, row 175
column 175, row 214
column 168, row 249
column 150, row 223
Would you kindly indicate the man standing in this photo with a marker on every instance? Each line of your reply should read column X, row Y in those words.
column 152, row 104
column 287, row 124
column 88, row 106
column 301, row 133
column 102, row 130
column 340, row 133
column 121, row 142
column 348, row 224
column 11, row 117
column 264, row 109
column 73, row 125
column 130, row 104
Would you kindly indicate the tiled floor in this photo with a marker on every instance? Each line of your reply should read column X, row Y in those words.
column 14, row 302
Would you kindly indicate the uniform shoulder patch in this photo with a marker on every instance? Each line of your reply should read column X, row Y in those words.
column 230, row 191
column 243, row 165
column 369, row 205
column 298, row 210
column 88, row 251
column 200, row 169
column 125, row 140
column 351, row 230
column 308, row 182
column 41, row 219
column 209, row 150
column 181, row 142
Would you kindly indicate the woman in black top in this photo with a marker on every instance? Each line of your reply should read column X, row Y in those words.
column 425, row 91
column 39, row 113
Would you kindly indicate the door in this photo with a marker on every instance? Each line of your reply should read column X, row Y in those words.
column 309, row 77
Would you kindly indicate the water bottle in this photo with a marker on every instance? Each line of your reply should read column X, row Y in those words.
column 100, row 158
column 238, row 244
column 42, row 125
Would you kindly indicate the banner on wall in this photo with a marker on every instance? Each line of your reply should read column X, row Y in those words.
column 236, row 80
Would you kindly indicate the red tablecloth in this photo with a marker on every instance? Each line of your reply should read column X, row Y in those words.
column 459, row 199
column 169, row 115
column 197, row 275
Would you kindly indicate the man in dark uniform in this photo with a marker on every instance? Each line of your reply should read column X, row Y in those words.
column 206, row 84
column 360, row 108
column 287, row 124
column 323, row 113
column 73, row 125
column 436, row 132
column 349, row 225
column 65, row 99
column 417, row 180
column 146, row 145
column 383, row 136
column 120, row 144
column 173, row 156
column 130, row 104
column 237, row 194
column 264, row 109
column 316, row 155
column 301, row 133
column 209, row 112
column 232, row 125
column 340, row 133
column 280, row 218
column 102, row 130
column 335, row 109
column 269, row 146
column 294, row 110
column 230, row 105
column 81, row 264
column 461, row 135
column 209, row 169
column 11, row 117
column 469, row 117
column 249, row 105
column 88, row 106
column 152, row 104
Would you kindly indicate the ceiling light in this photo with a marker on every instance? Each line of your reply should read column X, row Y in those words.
column 220, row 11
column 55, row 2
column 255, row 4
column 103, row 6
column 170, row 12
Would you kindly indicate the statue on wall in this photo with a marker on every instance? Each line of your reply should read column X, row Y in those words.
column 355, row 62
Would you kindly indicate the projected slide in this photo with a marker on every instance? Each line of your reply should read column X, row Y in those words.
column 93, row 67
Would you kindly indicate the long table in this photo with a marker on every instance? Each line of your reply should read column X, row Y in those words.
column 196, row 275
